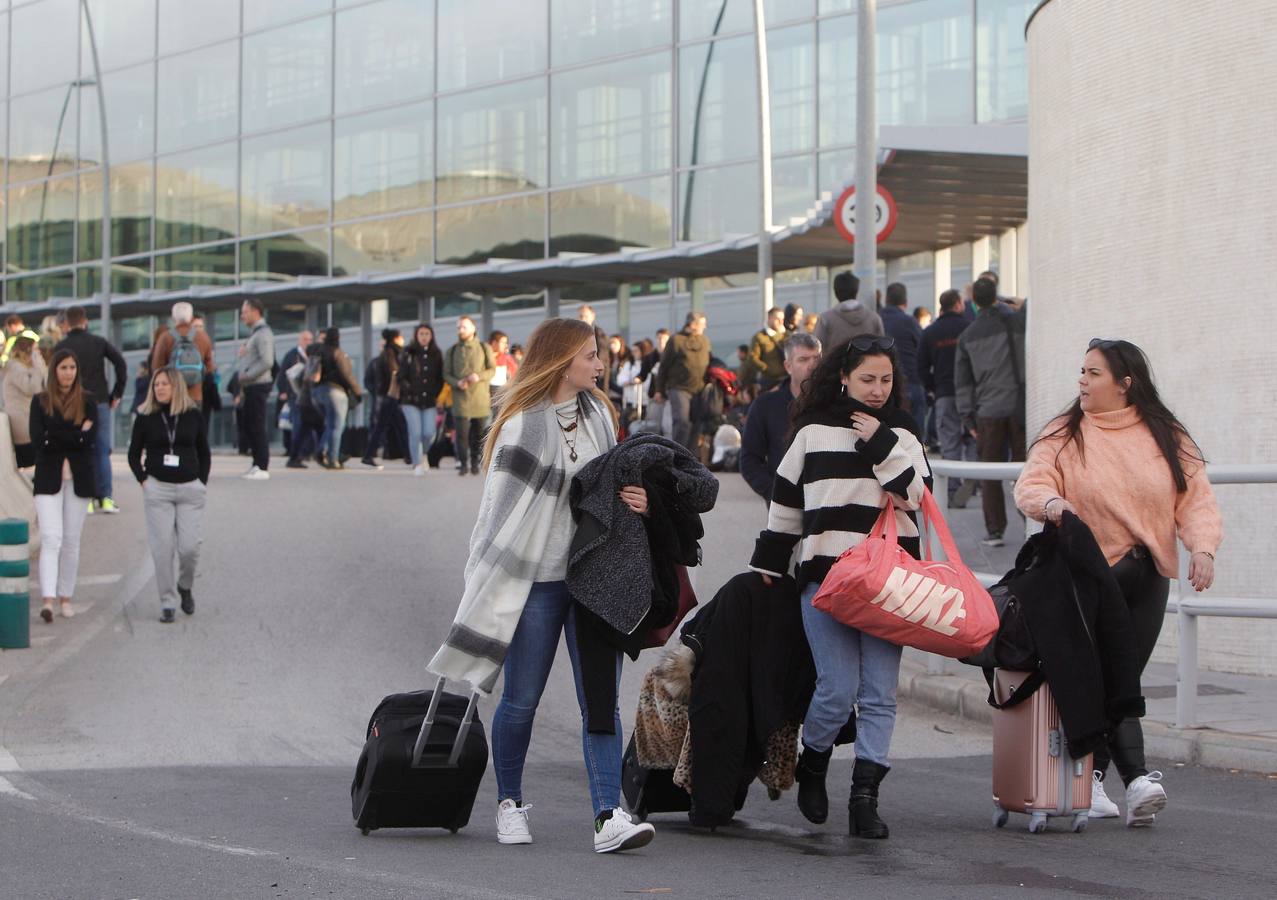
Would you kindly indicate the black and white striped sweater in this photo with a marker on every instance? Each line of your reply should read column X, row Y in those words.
column 831, row 487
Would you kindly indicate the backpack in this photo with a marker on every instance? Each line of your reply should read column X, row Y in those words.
column 187, row 359
column 311, row 373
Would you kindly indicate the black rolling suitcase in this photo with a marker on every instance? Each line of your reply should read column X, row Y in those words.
column 650, row 790
column 422, row 763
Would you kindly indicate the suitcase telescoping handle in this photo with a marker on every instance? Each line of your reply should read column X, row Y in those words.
column 419, row 748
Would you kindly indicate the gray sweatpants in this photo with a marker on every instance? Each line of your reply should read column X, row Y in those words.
column 174, row 517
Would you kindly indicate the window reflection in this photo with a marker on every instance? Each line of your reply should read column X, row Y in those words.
column 42, row 224
column 39, row 288
column 924, row 64
column 198, row 96
column 492, row 141
column 490, row 41
column 42, row 134
column 288, row 74
column 264, row 13
column 791, row 68
column 286, row 180
column 184, row 24
column 130, row 116
column 793, row 188
column 513, row 228
column 205, row 265
column 128, row 276
column 719, row 122
column 131, row 208
column 125, row 33
column 1002, row 77
column 397, row 244
column 513, row 300
column 612, row 120
column 197, row 196
column 603, row 218
column 837, row 81
column 135, row 332
column 285, row 257
column 715, row 202
column 592, row 29
column 43, row 44
column 703, row 18
column 383, row 162
column 385, row 53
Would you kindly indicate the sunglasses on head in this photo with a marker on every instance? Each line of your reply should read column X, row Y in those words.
column 868, row 342
column 1101, row 344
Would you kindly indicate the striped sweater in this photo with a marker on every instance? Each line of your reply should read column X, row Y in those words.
column 831, row 487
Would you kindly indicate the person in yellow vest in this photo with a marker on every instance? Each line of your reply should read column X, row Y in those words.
column 13, row 327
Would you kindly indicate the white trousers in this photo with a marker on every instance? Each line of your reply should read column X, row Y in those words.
column 61, row 517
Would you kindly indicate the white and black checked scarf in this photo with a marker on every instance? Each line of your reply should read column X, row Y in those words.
column 516, row 516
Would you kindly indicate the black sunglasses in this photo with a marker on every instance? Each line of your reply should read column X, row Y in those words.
column 867, row 342
column 1101, row 344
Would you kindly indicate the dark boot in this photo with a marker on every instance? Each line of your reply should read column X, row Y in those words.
column 865, row 778
column 813, row 801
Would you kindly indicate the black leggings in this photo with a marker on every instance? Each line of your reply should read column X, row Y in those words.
column 1145, row 591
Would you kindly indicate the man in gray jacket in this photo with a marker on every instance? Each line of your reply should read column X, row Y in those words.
column 849, row 318
column 988, row 376
column 256, row 359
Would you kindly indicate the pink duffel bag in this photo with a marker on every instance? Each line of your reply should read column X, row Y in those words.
column 933, row 605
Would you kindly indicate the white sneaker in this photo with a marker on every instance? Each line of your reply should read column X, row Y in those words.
column 621, row 833
column 418, row 471
column 256, row 474
column 1101, row 806
column 512, row 823
column 1145, row 798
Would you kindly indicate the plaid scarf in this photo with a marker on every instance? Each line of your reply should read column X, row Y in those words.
column 516, row 516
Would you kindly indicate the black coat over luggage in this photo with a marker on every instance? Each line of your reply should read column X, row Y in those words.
column 438, row 791
column 654, row 791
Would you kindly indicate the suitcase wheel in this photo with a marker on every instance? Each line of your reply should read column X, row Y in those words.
column 1037, row 823
column 1000, row 816
column 1080, row 821
column 364, row 831
column 453, row 830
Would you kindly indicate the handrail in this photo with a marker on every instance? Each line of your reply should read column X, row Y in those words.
column 1186, row 604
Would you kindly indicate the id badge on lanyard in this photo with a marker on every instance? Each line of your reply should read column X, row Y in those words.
column 171, row 459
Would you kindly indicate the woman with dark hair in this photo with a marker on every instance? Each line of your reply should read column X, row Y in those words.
column 793, row 317
column 1120, row 461
column 332, row 394
column 63, row 431
column 420, row 381
column 851, row 447
column 387, row 418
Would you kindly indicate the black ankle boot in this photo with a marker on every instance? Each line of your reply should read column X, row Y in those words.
column 865, row 778
column 813, row 801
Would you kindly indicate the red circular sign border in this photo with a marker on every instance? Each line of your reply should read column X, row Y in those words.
column 893, row 215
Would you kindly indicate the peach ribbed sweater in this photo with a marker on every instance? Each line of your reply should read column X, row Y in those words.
column 1124, row 491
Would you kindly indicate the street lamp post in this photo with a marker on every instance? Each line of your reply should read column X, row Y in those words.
column 106, row 176
column 765, row 281
column 866, row 253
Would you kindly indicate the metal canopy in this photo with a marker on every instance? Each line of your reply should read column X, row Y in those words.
column 943, row 198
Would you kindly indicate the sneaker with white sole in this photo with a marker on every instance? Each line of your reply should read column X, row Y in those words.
column 418, row 471
column 1145, row 798
column 256, row 474
column 620, row 832
column 512, row 823
column 1101, row 806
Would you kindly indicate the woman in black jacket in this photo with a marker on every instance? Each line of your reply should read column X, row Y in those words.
column 63, row 431
column 420, row 381
column 169, row 430
column 333, row 395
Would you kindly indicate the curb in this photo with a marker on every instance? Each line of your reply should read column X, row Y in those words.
column 968, row 700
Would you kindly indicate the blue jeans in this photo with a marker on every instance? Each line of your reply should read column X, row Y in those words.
column 421, row 429
column 851, row 667
column 548, row 613
column 102, row 450
column 335, row 404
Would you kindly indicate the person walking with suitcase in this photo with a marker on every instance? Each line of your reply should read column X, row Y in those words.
column 853, row 445
column 1120, row 461
column 553, row 419
column 169, row 433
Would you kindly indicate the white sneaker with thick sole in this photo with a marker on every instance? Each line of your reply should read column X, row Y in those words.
column 1145, row 798
column 512, row 823
column 621, row 833
column 1101, row 806
column 418, row 471
column 256, row 474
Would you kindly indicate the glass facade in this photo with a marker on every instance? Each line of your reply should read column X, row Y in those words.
column 266, row 140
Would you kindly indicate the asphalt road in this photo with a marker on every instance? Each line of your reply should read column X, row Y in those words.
column 213, row 758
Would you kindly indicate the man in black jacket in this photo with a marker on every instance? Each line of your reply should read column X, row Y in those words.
column 92, row 353
column 935, row 364
column 286, row 392
column 767, row 428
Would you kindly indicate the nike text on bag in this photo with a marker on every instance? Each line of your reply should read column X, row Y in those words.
column 933, row 605
column 187, row 359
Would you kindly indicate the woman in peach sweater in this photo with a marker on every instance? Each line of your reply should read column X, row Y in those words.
column 1119, row 460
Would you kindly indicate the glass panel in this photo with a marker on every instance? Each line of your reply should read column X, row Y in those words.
column 602, row 218
column 402, row 310
column 490, row 41
column 518, row 300
column 837, row 170
column 834, row 6
column 125, row 33
column 42, row 134
column 185, row 24
column 837, row 81
column 385, row 53
column 718, row 105
column 612, row 120
column 448, row 305
column 793, row 188
column 288, row 75
column 924, row 64
column 492, row 141
column 40, row 288
column 134, row 332
column 43, row 45
column 222, row 325
column 131, row 208
column 591, row 29
column 287, row 319
column 703, row 18
column 345, row 314
column 397, row 244
column 4, row 54
column 513, row 228
column 127, row 277
column 715, row 202
column 199, row 97
column 264, row 13
column 130, row 116
column 41, row 224
column 383, row 162
column 286, row 180
column 197, row 197
column 285, row 257
column 791, row 67
column 1002, row 76
column 207, row 265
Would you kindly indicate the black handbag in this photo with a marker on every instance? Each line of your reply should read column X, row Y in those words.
column 1012, row 646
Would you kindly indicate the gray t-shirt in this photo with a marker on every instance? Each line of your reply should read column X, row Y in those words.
column 554, row 564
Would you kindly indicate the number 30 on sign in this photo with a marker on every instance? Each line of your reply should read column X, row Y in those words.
column 885, row 215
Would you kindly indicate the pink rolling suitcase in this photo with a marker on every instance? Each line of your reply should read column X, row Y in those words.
column 1032, row 770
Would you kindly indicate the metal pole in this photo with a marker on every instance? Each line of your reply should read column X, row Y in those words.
column 106, row 176
column 866, row 254
column 765, row 281
column 696, row 125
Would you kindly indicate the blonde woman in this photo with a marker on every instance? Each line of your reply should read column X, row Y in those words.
column 51, row 332
column 169, row 457
column 552, row 420
column 24, row 378
column 63, row 430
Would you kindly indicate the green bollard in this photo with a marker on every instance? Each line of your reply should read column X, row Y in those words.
column 15, row 594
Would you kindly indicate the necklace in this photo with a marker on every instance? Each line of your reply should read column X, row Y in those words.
column 568, row 423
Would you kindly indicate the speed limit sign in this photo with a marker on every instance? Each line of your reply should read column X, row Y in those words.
column 884, row 214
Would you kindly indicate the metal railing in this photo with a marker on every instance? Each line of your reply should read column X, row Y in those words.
column 1188, row 605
